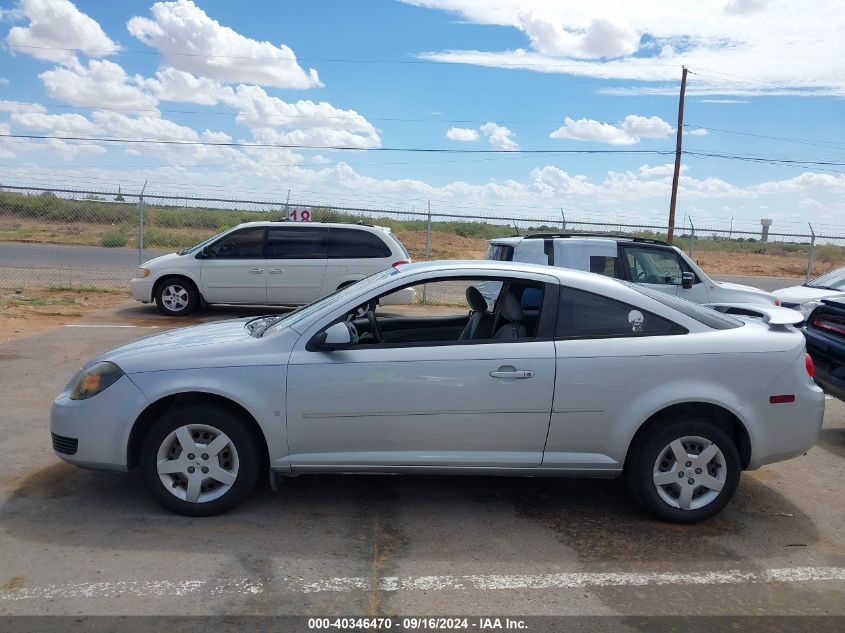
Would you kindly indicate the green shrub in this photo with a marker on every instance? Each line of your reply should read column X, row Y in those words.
column 113, row 239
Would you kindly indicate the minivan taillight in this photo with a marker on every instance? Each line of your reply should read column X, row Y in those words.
column 808, row 363
column 829, row 323
column 400, row 262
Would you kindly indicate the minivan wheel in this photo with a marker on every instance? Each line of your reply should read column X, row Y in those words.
column 685, row 472
column 176, row 297
column 199, row 460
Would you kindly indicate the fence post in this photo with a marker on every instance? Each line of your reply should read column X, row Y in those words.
column 812, row 252
column 691, row 238
column 562, row 221
column 427, row 244
column 141, row 225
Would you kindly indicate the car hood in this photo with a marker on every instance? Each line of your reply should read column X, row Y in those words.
column 751, row 293
column 220, row 344
column 169, row 258
column 802, row 294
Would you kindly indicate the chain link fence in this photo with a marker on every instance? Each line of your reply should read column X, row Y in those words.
column 66, row 238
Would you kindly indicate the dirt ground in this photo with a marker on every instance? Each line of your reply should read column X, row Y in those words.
column 25, row 312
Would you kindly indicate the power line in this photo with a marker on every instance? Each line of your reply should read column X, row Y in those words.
column 828, row 144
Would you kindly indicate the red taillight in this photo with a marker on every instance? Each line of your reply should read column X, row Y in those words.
column 782, row 399
column 400, row 262
column 829, row 323
column 777, row 302
column 808, row 363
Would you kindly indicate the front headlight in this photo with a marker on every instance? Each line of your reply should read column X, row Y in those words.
column 806, row 308
column 141, row 273
column 95, row 379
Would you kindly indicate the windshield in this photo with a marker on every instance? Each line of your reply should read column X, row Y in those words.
column 266, row 326
column 833, row 280
column 196, row 247
column 709, row 317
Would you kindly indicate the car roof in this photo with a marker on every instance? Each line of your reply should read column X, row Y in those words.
column 579, row 236
column 563, row 275
column 331, row 225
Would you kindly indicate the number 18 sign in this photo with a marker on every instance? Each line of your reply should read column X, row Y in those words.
column 299, row 215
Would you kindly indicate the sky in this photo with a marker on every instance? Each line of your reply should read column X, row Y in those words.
column 544, row 106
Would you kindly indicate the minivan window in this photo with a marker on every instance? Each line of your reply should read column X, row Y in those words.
column 305, row 242
column 356, row 244
column 244, row 244
column 500, row 252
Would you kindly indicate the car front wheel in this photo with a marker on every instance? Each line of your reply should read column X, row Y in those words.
column 199, row 460
column 685, row 472
column 176, row 297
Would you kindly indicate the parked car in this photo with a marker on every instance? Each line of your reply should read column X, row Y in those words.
column 594, row 377
column 825, row 334
column 268, row 263
column 808, row 296
column 650, row 263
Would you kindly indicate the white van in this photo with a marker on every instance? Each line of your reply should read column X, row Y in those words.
column 651, row 263
column 268, row 263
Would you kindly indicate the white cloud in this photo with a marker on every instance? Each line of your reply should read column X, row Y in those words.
column 322, row 160
column 15, row 14
column 599, row 38
column 647, row 171
column 309, row 123
column 5, row 146
column 698, row 131
column 629, row 131
column 499, row 136
column 461, row 134
column 55, row 26
column 102, row 83
column 3, row 81
column 20, row 106
column 171, row 84
column 725, row 101
column 217, row 52
column 782, row 46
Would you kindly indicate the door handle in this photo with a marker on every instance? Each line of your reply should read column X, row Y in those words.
column 276, row 271
column 256, row 271
column 512, row 373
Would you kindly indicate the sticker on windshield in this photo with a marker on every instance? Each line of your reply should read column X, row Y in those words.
column 636, row 318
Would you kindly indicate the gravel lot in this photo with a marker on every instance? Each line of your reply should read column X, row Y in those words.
column 80, row 542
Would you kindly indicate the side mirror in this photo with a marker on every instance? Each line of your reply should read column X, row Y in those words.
column 337, row 336
column 687, row 280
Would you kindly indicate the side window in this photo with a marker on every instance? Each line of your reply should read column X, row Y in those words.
column 307, row 242
column 653, row 266
column 356, row 244
column 243, row 244
column 586, row 315
column 603, row 265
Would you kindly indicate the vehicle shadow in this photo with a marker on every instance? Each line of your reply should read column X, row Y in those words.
column 437, row 518
column 833, row 440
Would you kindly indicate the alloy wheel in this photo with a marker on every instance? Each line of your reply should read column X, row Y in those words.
column 690, row 472
column 175, row 297
column 197, row 463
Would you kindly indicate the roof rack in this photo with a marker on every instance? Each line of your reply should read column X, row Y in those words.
column 611, row 236
column 358, row 223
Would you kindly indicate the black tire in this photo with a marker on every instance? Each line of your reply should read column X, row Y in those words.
column 640, row 470
column 247, row 454
column 183, row 289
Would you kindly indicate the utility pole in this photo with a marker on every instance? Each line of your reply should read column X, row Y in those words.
column 678, row 143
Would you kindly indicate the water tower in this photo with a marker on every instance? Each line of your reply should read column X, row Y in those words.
column 766, row 223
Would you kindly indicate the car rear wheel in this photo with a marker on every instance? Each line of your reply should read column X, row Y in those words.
column 176, row 297
column 199, row 460
column 685, row 472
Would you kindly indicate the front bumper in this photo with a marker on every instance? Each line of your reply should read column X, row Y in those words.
column 99, row 426
column 142, row 289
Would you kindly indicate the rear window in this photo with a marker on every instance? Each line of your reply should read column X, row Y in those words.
column 583, row 314
column 393, row 238
column 707, row 316
column 356, row 244
column 500, row 252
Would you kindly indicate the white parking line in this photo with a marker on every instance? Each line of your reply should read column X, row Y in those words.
column 480, row 582
column 146, row 327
